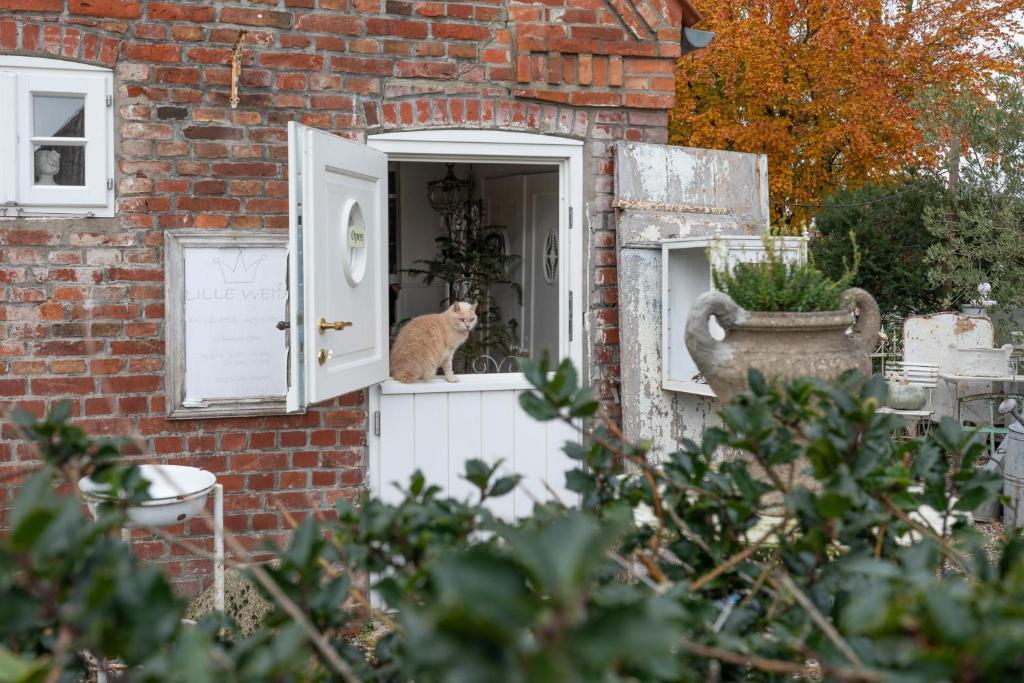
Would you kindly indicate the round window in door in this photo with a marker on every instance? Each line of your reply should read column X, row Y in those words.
column 355, row 242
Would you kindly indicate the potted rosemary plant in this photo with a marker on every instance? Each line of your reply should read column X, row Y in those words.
column 784, row 319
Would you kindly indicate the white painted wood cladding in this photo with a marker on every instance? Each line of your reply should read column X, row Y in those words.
column 437, row 433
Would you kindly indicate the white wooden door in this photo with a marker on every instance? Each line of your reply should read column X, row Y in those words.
column 437, row 428
column 527, row 205
column 543, row 261
column 503, row 205
column 337, row 266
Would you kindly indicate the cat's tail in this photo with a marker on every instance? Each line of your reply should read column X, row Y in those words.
column 404, row 376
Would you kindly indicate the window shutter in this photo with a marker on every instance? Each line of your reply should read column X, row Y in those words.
column 8, row 141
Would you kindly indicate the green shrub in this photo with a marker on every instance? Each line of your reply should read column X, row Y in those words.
column 891, row 238
column 773, row 284
column 653, row 573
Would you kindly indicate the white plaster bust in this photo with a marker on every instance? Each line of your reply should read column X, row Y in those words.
column 47, row 166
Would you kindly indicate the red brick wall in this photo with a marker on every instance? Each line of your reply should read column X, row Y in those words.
column 81, row 301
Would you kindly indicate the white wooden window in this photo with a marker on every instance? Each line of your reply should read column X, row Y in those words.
column 56, row 138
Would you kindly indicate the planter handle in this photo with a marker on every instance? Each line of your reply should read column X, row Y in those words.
column 869, row 322
column 705, row 349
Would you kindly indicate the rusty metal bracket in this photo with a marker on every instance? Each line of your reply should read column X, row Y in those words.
column 667, row 207
column 236, row 67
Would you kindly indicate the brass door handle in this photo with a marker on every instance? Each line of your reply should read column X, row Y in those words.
column 338, row 325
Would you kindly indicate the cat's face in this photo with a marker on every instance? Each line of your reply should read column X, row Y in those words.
column 463, row 316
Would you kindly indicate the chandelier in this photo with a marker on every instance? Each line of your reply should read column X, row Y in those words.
column 447, row 195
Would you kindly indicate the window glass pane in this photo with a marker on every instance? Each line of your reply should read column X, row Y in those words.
column 58, row 116
column 59, row 165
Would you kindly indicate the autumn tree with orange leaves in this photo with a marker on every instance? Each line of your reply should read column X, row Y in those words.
column 827, row 88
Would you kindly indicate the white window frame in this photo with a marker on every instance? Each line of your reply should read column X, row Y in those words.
column 489, row 147
column 20, row 79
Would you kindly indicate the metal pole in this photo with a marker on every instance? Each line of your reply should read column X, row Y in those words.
column 101, row 664
column 218, row 546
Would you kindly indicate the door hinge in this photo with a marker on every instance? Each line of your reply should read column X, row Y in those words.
column 570, row 315
column 110, row 183
column 570, row 218
column 376, row 423
column 110, row 100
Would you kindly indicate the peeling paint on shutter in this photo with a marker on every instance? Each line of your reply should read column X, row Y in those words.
column 664, row 192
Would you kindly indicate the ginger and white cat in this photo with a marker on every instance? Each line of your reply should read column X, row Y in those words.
column 428, row 342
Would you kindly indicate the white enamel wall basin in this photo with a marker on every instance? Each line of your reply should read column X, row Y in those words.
column 177, row 493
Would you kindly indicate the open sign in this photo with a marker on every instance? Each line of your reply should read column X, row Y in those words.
column 357, row 235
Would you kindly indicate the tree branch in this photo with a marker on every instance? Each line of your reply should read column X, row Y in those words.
column 823, row 623
column 775, row 665
column 735, row 559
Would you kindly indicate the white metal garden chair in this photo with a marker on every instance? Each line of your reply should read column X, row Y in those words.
column 919, row 374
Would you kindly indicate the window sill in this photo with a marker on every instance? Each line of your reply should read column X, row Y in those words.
column 54, row 212
column 688, row 387
column 512, row 381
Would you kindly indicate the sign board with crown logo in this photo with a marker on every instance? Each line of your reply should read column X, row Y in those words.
column 226, row 291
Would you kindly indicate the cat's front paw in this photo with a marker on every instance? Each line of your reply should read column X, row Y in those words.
column 451, row 378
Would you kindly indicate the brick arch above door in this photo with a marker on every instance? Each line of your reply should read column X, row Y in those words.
column 473, row 110
column 84, row 44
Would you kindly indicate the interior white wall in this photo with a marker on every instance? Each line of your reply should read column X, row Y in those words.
column 420, row 225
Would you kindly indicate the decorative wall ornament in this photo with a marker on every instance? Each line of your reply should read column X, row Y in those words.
column 226, row 295
column 551, row 257
column 47, row 166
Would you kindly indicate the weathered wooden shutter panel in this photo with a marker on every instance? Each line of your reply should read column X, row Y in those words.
column 664, row 192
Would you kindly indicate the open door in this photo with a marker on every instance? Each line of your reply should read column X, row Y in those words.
column 337, row 266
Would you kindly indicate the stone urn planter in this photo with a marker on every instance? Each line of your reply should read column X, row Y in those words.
column 781, row 345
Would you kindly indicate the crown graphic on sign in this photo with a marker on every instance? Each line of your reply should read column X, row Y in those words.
column 239, row 273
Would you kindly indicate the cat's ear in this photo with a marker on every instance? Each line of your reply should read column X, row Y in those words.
column 455, row 307
column 473, row 306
